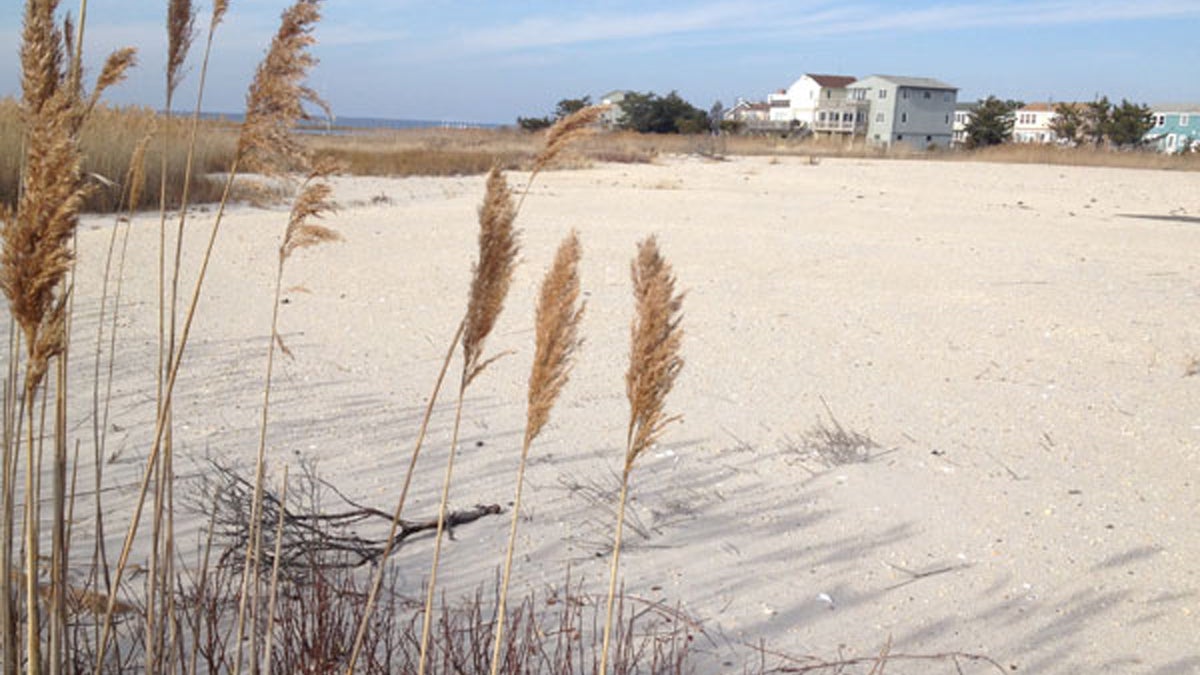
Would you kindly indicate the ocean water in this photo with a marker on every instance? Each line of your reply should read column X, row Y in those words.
column 351, row 124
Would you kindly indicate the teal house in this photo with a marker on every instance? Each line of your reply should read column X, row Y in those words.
column 1176, row 128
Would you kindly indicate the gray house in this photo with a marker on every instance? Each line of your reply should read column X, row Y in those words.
column 918, row 111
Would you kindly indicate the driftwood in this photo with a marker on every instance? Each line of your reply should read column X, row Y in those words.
column 312, row 537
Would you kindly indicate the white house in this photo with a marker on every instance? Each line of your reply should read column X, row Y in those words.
column 1032, row 123
column 817, row 101
column 614, row 115
column 748, row 111
column 963, row 112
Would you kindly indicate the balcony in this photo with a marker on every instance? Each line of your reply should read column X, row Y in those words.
column 847, row 118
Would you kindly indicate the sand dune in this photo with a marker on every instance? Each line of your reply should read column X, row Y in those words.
column 1013, row 338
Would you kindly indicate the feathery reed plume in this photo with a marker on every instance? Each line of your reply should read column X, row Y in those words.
column 276, row 98
column 492, row 274
column 181, row 23
column 654, row 363
column 312, row 203
column 492, row 277
column 654, row 359
column 558, row 315
column 116, row 67
column 566, row 131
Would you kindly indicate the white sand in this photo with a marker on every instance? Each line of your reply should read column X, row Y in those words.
column 1013, row 339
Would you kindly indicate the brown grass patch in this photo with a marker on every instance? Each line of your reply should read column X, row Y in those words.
column 108, row 139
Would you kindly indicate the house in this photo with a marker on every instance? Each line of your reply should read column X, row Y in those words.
column 820, row 102
column 1176, row 128
column 1031, row 123
column 748, row 111
column 963, row 112
column 614, row 115
column 918, row 111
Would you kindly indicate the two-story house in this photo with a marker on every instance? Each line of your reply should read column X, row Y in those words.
column 918, row 111
column 1031, row 123
column 963, row 112
column 817, row 101
column 1176, row 128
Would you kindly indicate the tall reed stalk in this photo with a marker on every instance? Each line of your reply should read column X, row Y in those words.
column 36, row 257
column 312, row 203
column 557, row 328
column 654, row 363
column 559, row 137
column 273, row 106
column 181, row 18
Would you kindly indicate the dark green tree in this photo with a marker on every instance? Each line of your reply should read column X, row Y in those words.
column 1068, row 122
column 1096, row 119
column 991, row 123
column 569, row 106
column 534, row 123
column 1128, row 124
column 649, row 113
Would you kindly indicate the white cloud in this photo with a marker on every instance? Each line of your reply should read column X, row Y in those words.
column 746, row 22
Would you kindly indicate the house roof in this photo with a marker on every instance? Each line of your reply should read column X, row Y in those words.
column 916, row 82
column 1038, row 107
column 1176, row 108
column 832, row 81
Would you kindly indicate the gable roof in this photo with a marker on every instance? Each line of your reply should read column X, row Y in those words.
column 831, row 81
column 916, row 82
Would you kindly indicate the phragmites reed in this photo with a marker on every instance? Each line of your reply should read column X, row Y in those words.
column 181, row 22
column 273, row 105
column 34, row 262
column 275, row 102
column 492, row 274
column 654, row 359
column 312, row 202
column 566, row 131
column 557, row 324
column 654, row 363
column 498, row 247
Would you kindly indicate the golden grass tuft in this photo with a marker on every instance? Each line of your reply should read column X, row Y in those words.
column 181, row 31
column 566, row 132
column 654, row 360
column 557, row 324
column 312, row 202
column 275, row 102
column 498, row 246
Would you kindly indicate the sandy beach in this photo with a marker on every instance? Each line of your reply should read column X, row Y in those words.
column 1015, row 340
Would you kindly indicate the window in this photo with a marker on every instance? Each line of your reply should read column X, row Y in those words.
column 828, row 93
column 903, row 118
column 904, row 94
column 946, row 97
column 879, row 117
column 1183, row 120
column 1171, row 142
column 929, row 139
column 899, row 137
column 883, row 93
column 928, row 95
column 1160, row 120
column 947, row 119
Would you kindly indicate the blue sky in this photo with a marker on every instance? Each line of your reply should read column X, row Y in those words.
column 485, row 61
